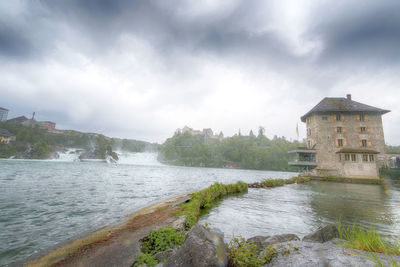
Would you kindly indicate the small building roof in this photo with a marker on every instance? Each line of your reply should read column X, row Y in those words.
column 355, row 150
column 5, row 133
column 19, row 119
column 342, row 104
column 3, row 109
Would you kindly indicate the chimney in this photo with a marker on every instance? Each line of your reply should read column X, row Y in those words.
column 348, row 96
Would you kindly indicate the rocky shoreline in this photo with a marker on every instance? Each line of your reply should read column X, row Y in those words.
column 205, row 247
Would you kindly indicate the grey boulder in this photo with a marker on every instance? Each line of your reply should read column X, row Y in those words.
column 201, row 248
column 323, row 234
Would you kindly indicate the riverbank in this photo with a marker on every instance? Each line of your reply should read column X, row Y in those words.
column 114, row 246
column 121, row 245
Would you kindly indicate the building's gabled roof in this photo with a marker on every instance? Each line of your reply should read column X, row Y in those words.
column 5, row 133
column 3, row 109
column 19, row 119
column 342, row 104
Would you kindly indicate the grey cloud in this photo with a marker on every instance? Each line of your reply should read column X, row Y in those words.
column 358, row 32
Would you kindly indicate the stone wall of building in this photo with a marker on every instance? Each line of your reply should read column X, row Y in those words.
column 323, row 136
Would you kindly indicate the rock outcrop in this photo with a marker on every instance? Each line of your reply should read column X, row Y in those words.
column 323, row 234
column 323, row 254
column 263, row 242
column 201, row 248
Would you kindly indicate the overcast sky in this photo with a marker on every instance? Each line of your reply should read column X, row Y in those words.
column 141, row 69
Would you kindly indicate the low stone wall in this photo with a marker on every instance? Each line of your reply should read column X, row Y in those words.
column 347, row 180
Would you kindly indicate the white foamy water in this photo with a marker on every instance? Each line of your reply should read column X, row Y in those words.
column 71, row 155
column 144, row 159
column 130, row 158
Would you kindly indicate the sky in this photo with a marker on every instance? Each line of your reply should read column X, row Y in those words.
column 141, row 69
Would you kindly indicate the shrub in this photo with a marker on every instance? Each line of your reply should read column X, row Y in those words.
column 244, row 254
column 161, row 240
column 147, row 259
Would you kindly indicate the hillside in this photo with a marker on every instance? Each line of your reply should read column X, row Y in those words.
column 37, row 143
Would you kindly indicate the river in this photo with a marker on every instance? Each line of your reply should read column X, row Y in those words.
column 45, row 203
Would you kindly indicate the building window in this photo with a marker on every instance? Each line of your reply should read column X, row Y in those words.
column 365, row 157
column 339, row 129
column 353, row 157
column 371, row 158
column 363, row 130
column 340, row 142
column 346, row 157
column 338, row 117
column 362, row 117
column 364, row 143
column 324, row 118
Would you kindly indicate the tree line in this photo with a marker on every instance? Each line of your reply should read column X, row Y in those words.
column 248, row 152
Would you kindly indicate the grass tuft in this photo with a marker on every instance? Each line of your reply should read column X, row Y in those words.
column 365, row 239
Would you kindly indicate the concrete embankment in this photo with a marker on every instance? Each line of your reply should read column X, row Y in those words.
column 114, row 246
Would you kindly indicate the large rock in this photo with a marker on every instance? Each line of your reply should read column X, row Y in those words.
column 323, row 254
column 179, row 223
column 201, row 248
column 263, row 242
column 323, row 234
column 165, row 255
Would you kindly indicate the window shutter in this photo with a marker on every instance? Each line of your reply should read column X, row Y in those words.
column 335, row 129
column 366, row 117
column 359, row 130
column 343, row 129
column 368, row 130
column 344, row 142
column 334, row 117
column 337, row 142
column 361, row 143
column 358, row 117
column 369, row 144
column 342, row 117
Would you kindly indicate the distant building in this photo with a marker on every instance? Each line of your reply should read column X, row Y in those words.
column 344, row 138
column 207, row 133
column 46, row 125
column 18, row 120
column 6, row 137
column 3, row 114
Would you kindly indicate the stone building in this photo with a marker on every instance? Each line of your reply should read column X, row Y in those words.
column 3, row 114
column 344, row 138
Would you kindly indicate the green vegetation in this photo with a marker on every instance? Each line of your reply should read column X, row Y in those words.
column 248, row 152
column 207, row 198
column 387, row 172
column 157, row 241
column 147, row 259
column 359, row 238
column 280, row 182
column 162, row 239
column 37, row 143
column 246, row 254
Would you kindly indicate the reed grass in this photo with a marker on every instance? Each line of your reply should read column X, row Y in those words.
column 365, row 239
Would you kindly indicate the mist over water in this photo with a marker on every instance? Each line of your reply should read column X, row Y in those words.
column 45, row 203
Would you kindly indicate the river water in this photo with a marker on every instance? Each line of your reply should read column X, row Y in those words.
column 45, row 203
